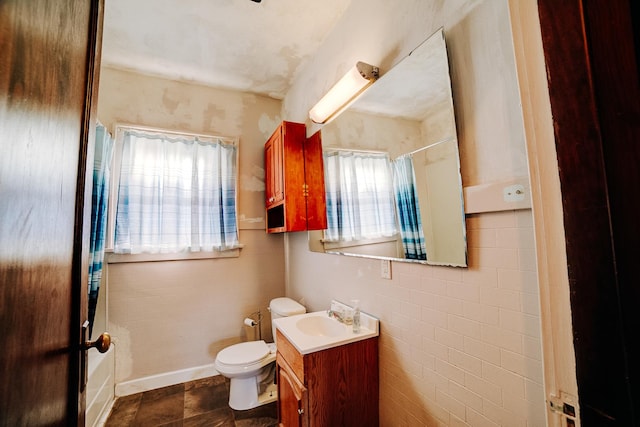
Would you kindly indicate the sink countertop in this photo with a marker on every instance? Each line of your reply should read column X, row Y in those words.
column 342, row 334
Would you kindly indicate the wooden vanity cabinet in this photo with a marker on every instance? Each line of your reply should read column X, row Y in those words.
column 332, row 387
column 294, row 180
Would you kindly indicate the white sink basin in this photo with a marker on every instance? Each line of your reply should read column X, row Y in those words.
column 320, row 326
column 311, row 332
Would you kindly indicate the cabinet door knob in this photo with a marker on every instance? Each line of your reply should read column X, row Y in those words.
column 300, row 411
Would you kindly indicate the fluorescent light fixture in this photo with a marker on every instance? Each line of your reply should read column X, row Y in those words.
column 343, row 93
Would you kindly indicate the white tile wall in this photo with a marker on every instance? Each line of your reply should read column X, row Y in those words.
column 458, row 347
column 480, row 328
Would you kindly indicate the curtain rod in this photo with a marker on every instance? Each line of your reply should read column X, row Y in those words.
column 410, row 154
column 442, row 141
column 351, row 150
column 140, row 128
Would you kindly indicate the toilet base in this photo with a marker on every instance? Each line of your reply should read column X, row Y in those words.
column 243, row 392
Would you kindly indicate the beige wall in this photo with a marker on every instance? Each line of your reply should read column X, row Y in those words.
column 459, row 346
column 171, row 316
column 176, row 315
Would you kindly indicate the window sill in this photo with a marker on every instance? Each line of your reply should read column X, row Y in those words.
column 333, row 245
column 113, row 258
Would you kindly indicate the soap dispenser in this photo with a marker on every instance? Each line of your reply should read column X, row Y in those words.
column 356, row 315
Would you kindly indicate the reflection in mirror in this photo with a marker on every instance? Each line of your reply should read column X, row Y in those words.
column 392, row 168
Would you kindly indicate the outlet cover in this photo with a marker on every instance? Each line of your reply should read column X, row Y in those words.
column 385, row 269
column 513, row 193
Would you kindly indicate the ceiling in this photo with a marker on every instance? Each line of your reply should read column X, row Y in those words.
column 236, row 44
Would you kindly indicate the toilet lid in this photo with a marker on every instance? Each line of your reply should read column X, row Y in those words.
column 244, row 353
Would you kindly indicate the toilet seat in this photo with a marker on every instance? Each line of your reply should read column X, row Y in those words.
column 246, row 353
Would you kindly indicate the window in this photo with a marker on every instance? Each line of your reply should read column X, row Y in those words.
column 360, row 199
column 174, row 193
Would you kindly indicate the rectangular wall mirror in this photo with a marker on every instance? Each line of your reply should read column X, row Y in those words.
column 392, row 168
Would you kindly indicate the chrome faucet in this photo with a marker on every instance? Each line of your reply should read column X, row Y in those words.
column 338, row 314
column 341, row 315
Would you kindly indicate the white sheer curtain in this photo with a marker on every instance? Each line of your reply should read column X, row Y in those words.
column 176, row 194
column 360, row 199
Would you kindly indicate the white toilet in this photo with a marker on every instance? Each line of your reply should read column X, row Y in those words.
column 251, row 365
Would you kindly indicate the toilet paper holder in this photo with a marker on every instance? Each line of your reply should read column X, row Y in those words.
column 249, row 321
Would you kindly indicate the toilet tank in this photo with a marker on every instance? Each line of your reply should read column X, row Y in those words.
column 284, row 307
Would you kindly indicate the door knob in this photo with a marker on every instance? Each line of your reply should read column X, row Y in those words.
column 101, row 344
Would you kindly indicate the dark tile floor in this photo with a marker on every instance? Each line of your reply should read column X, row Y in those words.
column 202, row 402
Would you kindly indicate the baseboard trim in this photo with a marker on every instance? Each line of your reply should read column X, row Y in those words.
column 165, row 379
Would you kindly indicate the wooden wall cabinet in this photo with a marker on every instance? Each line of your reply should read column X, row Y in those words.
column 294, row 180
column 338, row 386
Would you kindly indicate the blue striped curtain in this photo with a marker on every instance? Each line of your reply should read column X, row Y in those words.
column 359, row 192
column 176, row 194
column 408, row 209
column 99, row 204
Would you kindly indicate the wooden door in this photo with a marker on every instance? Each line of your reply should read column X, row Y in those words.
column 48, row 75
column 592, row 54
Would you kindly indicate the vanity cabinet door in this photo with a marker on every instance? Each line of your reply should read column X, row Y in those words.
column 292, row 398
